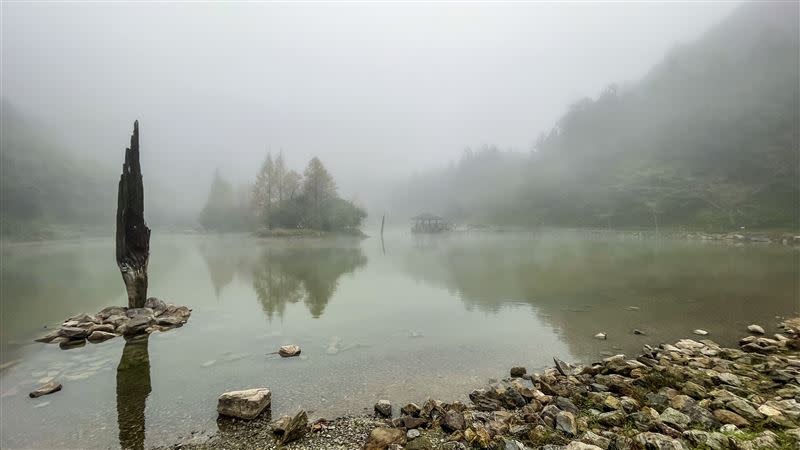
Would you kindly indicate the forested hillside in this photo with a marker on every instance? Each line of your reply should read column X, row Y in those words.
column 709, row 138
column 42, row 185
column 47, row 191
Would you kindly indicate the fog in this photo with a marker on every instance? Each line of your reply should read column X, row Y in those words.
column 377, row 91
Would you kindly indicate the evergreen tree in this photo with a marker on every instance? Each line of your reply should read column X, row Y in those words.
column 318, row 191
column 216, row 215
column 264, row 188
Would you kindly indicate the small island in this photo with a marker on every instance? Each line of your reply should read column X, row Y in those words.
column 283, row 203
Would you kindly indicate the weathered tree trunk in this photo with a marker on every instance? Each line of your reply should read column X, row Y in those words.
column 133, row 236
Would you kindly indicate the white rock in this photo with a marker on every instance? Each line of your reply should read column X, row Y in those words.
column 700, row 332
column 412, row 434
column 768, row 411
column 755, row 329
column 601, row 336
column 246, row 404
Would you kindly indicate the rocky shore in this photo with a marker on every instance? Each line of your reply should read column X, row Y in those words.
column 692, row 394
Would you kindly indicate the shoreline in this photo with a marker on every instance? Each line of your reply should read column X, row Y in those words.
column 692, row 394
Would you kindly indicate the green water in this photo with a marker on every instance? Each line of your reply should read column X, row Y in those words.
column 418, row 316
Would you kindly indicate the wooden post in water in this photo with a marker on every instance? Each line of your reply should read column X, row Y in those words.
column 133, row 236
column 383, row 247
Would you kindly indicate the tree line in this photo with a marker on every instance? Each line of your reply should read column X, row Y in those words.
column 281, row 198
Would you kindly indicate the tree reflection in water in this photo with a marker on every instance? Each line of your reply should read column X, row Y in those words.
column 283, row 276
column 133, row 387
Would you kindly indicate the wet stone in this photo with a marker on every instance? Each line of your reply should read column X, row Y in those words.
column 47, row 388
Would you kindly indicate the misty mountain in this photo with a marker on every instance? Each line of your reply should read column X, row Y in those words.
column 44, row 183
column 48, row 189
column 709, row 137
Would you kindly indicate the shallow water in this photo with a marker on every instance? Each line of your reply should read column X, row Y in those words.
column 421, row 316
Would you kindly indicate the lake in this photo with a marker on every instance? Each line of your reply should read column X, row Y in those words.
column 415, row 317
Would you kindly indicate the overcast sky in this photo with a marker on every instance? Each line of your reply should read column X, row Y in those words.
column 377, row 91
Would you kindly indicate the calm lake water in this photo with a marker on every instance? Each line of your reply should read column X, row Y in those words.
column 426, row 316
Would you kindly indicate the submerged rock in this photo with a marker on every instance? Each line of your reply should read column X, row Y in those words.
column 245, row 404
column 602, row 336
column 71, row 343
column 518, row 372
column 47, row 388
column 287, row 351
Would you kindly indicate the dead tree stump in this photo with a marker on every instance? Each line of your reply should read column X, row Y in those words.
column 133, row 236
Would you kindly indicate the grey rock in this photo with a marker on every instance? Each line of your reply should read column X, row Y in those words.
column 612, row 418
column 454, row 421
column 287, row 351
column 484, row 401
column 744, row 409
column 100, row 336
column 675, row 418
column 49, row 336
column 565, row 421
column 245, row 404
column 74, row 332
column 412, row 434
column 294, row 428
column 383, row 408
column 656, row 441
column 158, row 306
column 596, row 440
column 566, row 404
column 411, row 409
column 135, row 325
column 517, row 372
column 47, row 388
column 578, row 445
column 70, row 343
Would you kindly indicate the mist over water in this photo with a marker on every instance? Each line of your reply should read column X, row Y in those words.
column 377, row 91
column 422, row 316
column 419, row 195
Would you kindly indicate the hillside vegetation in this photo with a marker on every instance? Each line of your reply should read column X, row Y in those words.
column 709, row 138
column 42, row 185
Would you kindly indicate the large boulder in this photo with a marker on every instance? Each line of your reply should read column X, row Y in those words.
column 246, row 404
